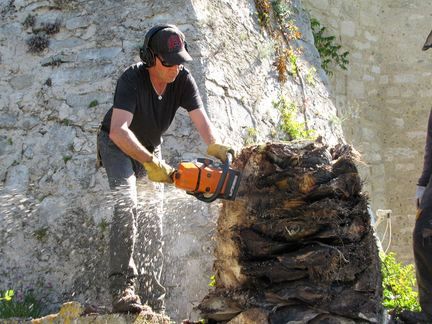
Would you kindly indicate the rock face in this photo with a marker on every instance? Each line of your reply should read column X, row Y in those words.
column 74, row 312
column 59, row 61
column 297, row 244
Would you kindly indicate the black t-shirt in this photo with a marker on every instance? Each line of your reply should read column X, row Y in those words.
column 151, row 116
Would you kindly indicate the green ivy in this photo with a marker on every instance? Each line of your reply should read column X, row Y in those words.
column 398, row 284
column 329, row 51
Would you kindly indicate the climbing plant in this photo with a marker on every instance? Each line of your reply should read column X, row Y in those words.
column 288, row 120
column 286, row 57
column 329, row 50
column 263, row 10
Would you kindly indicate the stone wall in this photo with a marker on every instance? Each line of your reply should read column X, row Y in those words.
column 55, row 209
column 384, row 99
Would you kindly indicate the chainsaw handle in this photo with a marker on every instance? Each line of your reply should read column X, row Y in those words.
column 229, row 158
column 225, row 169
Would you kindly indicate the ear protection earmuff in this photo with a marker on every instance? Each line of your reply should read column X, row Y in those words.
column 146, row 53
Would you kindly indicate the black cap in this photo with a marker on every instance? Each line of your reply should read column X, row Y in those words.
column 169, row 44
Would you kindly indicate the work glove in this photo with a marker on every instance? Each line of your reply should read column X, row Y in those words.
column 219, row 151
column 159, row 171
column 419, row 195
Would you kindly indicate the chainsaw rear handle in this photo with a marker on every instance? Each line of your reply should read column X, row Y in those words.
column 215, row 195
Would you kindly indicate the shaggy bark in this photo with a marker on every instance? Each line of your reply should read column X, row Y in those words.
column 297, row 244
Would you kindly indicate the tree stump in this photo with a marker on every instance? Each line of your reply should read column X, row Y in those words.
column 297, row 244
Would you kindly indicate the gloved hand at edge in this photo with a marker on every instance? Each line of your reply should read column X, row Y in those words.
column 220, row 151
column 159, row 171
column 419, row 195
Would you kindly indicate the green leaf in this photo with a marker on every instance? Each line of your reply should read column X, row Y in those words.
column 398, row 282
column 212, row 282
column 328, row 50
column 93, row 103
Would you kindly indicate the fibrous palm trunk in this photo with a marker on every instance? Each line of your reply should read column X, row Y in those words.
column 297, row 244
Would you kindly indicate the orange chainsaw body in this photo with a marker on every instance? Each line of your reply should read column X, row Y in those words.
column 203, row 177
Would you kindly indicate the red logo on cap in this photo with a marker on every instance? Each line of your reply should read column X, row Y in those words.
column 174, row 43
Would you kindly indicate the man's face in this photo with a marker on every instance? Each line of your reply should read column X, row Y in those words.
column 165, row 72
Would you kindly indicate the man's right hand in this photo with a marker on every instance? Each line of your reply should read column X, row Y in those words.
column 419, row 195
column 159, row 171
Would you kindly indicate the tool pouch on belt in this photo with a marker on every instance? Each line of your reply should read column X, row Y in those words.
column 418, row 213
column 98, row 156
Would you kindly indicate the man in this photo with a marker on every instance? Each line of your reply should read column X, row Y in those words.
column 422, row 238
column 146, row 99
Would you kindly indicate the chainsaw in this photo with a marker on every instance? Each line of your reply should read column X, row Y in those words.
column 207, row 180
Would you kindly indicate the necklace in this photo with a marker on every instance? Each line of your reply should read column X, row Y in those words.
column 159, row 94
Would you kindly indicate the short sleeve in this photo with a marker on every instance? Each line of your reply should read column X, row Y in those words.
column 191, row 98
column 125, row 94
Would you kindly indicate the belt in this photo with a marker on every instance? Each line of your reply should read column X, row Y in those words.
column 104, row 128
column 150, row 148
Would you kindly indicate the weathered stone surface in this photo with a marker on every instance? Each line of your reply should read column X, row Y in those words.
column 17, row 179
column 48, row 129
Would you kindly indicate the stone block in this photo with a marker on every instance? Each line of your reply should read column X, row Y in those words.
column 356, row 88
column 361, row 45
column 376, row 69
column 403, row 167
column 405, row 78
column 7, row 121
column 22, row 82
column 384, row 79
column 398, row 122
column 393, row 91
column 321, row 4
column 63, row 44
column 99, row 54
column 367, row 77
column 370, row 37
column 78, row 22
column 17, row 179
column 348, row 28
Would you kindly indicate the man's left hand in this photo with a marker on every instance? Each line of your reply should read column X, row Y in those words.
column 220, row 151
